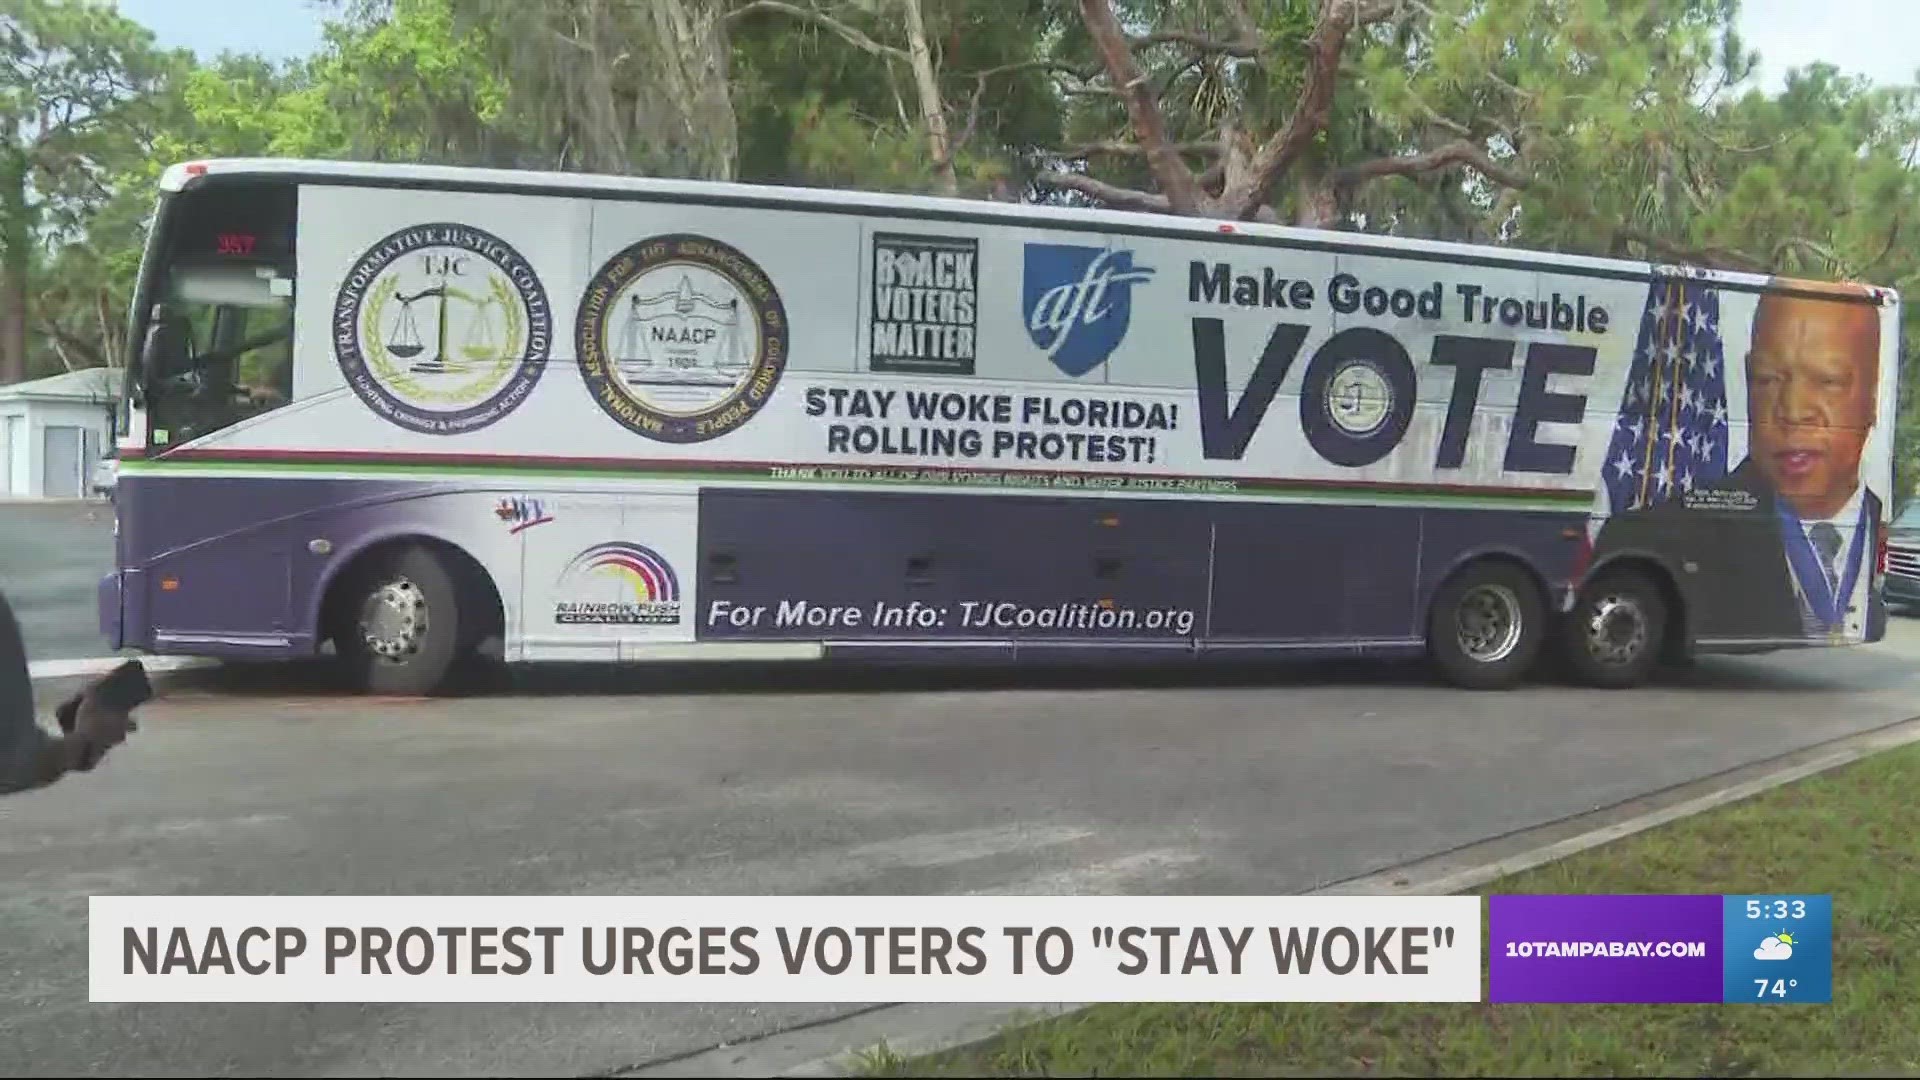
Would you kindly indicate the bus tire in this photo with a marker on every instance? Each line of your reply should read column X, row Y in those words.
column 400, row 625
column 1486, row 626
column 1615, row 635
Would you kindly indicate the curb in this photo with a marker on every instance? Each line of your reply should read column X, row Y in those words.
column 831, row 1047
column 826, row 1047
column 88, row 667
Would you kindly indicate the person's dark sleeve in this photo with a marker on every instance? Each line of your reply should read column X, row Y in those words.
column 22, row 739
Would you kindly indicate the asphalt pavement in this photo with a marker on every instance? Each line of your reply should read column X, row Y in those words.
column 808, row 780
column 52, row 556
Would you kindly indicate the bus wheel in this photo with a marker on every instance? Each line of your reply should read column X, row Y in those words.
column 401, row 623
column 1614, row 635
column 1486, row 626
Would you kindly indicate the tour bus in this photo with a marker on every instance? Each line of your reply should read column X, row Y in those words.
column 402, row 414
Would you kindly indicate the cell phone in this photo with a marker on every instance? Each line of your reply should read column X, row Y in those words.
column 125, row 688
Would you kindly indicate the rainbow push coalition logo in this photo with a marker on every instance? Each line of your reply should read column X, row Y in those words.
column 618, row 584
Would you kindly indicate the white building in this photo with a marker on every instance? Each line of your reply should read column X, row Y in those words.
column 53, row 432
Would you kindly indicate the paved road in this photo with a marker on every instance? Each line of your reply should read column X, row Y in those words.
column 52, row 555
column 808, row 782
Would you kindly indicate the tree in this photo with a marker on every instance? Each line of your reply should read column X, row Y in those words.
column 823, row 88
column 1248, row 109
column 406, row 87
column 618, row 86
column 916, row 53
column 234, row 105
column 75, row 80
column 1817, row 181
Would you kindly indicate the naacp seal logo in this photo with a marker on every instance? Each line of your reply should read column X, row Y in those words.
column 442, row 328
column 681, row 338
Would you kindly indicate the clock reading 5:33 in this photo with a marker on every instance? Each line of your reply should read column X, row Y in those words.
column 1778, row 949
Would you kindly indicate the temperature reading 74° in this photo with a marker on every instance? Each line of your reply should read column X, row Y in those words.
column 1776, row 987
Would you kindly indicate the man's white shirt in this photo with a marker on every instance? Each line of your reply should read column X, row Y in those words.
column 1847, row 522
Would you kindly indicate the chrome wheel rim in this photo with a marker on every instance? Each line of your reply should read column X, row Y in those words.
column 393, row 620
column 1487, row 623
column 1616, row 629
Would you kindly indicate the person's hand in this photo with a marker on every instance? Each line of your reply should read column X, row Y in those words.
column 97, row 728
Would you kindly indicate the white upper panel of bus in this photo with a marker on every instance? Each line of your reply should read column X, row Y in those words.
column 176, row 177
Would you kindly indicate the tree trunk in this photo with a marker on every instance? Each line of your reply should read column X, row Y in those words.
column 699, row 123
column 1319, row 202
column 109, row 337
column 932, row 109
column 608, row 145
column 16, row 264
column 1178, row 185
column 615, row 85
column 59, row 350
column 1243, row 198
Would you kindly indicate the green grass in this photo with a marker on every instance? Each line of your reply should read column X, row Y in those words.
column 1853, row 833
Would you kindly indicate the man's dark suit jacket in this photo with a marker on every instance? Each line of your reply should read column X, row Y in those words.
column 21, row 736
column 1740, row 585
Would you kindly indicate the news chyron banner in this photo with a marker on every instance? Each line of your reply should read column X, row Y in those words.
column 930, row 949
column 800, row 949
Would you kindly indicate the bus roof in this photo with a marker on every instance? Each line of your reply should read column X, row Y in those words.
column 184, row 175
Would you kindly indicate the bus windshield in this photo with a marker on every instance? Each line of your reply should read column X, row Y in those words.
column 216, row 339
column 227, row 353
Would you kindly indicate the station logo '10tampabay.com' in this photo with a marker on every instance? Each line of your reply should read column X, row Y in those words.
column 1078, row 302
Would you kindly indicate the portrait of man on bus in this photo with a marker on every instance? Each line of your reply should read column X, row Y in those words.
column 1791, row 553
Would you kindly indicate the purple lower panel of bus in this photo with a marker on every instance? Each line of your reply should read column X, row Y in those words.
column 1107, row 654
column 237, row 566
column 1027, row 575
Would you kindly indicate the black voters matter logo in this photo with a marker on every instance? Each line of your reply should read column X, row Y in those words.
column 925, row 300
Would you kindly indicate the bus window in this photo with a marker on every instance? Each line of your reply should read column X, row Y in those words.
column 219, row 276
column 228, row 352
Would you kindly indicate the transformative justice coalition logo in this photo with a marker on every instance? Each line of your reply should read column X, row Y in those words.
column 618, row 583
column 442, row 328
column 1078, row 302
column 681, row 338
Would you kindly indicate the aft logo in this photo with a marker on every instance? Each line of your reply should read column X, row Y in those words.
column 618, row 584
column 1078, row 302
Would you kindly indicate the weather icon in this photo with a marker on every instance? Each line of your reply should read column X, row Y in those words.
column 1777, row 947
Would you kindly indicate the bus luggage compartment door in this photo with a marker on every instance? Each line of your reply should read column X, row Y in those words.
column 1314, row 572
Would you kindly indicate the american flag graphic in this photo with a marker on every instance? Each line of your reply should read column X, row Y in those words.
column 1670, row 436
